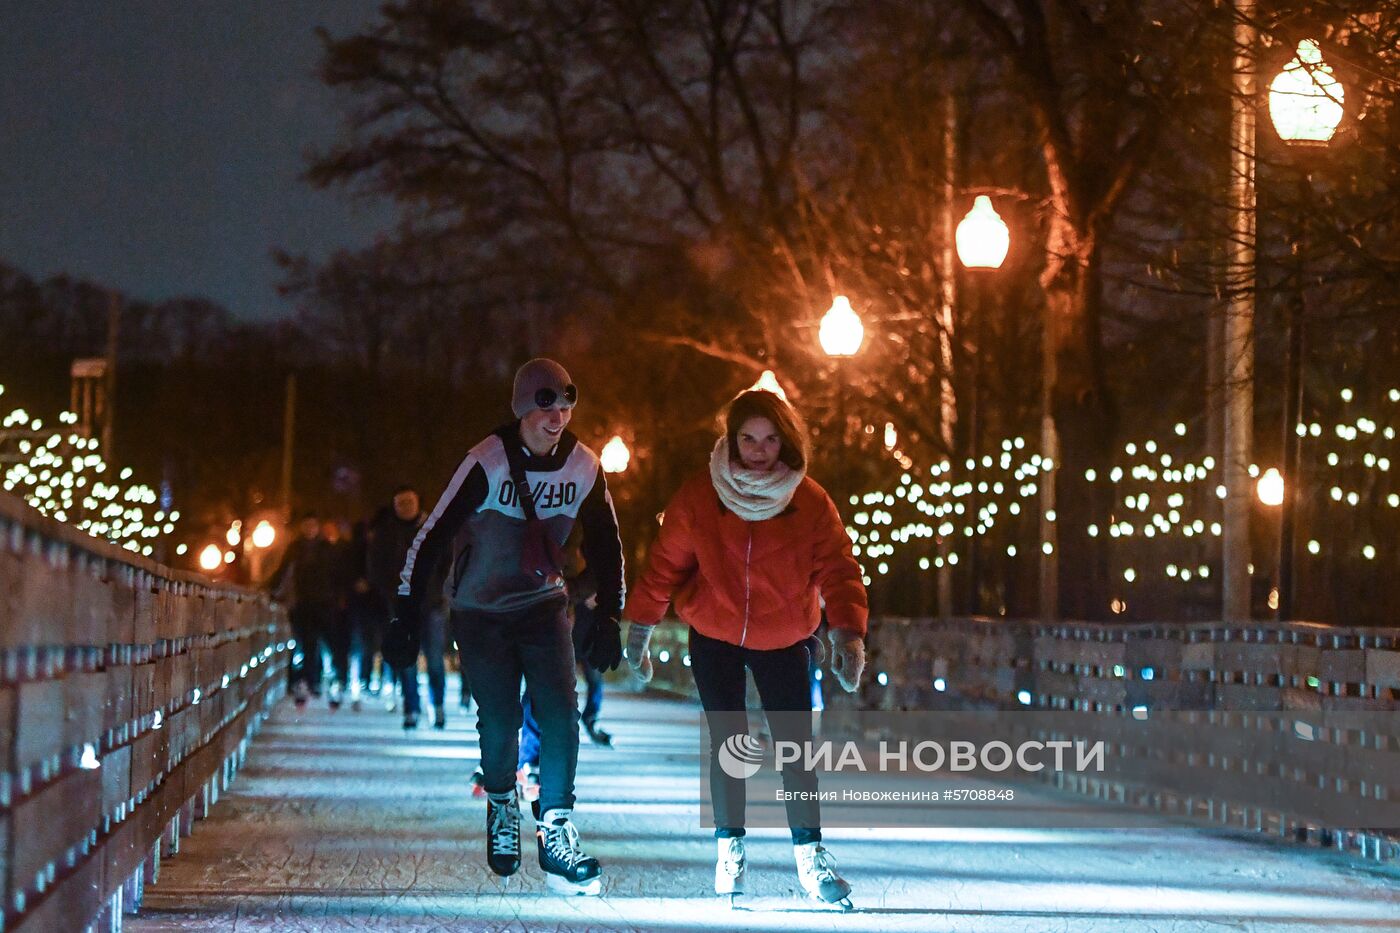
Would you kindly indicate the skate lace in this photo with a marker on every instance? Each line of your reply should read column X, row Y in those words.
column 823, row 864
column 733, row 862
column 505, row 827
column 561, row 842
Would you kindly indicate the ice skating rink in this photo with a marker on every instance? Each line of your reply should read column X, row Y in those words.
column 341, row 821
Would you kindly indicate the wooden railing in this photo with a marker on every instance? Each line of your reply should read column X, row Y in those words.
column 1128, row 670
column 128, row 694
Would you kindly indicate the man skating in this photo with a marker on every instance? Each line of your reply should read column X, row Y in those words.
column 514, row 499
column 307, row 571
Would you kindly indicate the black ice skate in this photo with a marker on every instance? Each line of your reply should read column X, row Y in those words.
column 503, row 833
column 566, row 869
column 597, row 735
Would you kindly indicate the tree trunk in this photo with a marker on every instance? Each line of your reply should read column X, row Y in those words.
column 1082, row 429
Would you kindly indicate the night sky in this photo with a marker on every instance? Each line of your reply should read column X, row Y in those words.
column 156, row 146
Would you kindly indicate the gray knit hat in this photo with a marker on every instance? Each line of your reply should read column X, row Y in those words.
column 531, row 378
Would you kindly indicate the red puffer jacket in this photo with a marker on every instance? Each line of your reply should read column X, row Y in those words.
column 751, row 583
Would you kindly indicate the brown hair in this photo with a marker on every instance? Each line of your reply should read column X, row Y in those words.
column 760, row 403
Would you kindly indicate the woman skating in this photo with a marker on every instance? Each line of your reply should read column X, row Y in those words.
column 748, row 551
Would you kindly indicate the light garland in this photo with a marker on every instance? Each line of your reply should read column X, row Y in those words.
column 1166, row 500
column 62, row 475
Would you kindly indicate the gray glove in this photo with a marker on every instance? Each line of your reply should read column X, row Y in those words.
column 847, row 659
column 638, row 654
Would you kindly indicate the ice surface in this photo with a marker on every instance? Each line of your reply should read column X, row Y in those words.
column 341, row 821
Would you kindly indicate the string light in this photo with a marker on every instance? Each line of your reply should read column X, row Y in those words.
column 61, row 475
column 1167, row 497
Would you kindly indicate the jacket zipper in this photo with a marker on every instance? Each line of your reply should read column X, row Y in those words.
column 747, row 554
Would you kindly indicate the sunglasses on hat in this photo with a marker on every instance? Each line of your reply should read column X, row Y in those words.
column 547, row 397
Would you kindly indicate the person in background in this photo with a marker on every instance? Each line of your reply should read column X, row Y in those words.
column 360, row 615
column 340, row 556
column 583, row 599
column 390, row 533
column 434, row 651
column 305, row 577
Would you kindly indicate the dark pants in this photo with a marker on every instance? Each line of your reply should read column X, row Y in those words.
column 434, row 646
column 781, row 678
column 310, row 623
column 462, row 674
column 361, row 616
column 376, row 619
column 498, row 649
column 338, row 639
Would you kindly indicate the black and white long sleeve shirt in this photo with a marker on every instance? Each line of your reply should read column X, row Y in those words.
column 480, row 505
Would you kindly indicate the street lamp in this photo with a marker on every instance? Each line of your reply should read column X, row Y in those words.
column 983, row 240
column 615, row 456
column 211, row 558
column 841, row 332
column 768, row 382
column 982, row 237
column 1306, row 107
column 1270, row 488
column 841, row 335
column 1305, row 100
column 264, row 534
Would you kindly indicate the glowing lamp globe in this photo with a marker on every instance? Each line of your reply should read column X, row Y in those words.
column 1305, row 100
column 615, row 456
column 1270, row 487
column 841, row 332
column 264, row 534
column 982, row 236
column 768, row 382
column 211, row 558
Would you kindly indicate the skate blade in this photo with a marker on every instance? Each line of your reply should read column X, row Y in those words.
column 590, row 888
column 843, row 902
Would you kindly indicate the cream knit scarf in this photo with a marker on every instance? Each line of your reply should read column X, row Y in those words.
column 752, row 495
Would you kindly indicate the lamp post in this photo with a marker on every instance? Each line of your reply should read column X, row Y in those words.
column 983, row 241
column 841, row 335
column 1237, row 330
column 1305, row 106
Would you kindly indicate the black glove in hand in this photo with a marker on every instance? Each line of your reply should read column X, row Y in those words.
column 605, row 648
column 400, row 646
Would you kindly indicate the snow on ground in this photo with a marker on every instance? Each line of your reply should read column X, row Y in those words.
column 341, row 821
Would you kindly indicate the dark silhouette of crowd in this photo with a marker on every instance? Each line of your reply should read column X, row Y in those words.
column 339, row 584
